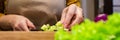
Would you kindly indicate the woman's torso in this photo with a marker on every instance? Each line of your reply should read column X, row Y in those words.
column 38, row 11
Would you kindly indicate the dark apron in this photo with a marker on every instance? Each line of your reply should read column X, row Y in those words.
column 38, row 11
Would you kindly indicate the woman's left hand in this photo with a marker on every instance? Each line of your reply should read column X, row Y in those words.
column 71, row 15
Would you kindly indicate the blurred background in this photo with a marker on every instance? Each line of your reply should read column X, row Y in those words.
column 116, row 5
column 91, row 8
column 94, row 7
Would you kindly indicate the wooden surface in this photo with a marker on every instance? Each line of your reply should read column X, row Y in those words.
column 26, row 35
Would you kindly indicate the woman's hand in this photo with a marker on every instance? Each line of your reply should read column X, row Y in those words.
column 17, row 22
column 71, row 15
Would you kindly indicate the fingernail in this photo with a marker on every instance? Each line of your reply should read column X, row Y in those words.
column 65, row 25
column 68, row 27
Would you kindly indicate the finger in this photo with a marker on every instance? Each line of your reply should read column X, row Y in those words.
column 79, row 12
column 73, row 18
column 64, row 14
column 23, row 26
column 16, row 28
column 79, row 17
column 30, row 24
column 69, row 15
column 76, row 21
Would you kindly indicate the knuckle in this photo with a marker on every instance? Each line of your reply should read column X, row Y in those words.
column 80, row 9
column 70, row 14
column 66, row 22
column 15, row 26
column 80, row 17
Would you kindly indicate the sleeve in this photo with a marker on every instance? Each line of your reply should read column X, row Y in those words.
column 69, row 2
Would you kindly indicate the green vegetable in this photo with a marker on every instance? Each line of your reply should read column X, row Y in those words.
column 89, row 30
column 57, row 26
column 45, row 27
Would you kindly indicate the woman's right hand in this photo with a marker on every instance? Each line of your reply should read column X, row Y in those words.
column 17, row 22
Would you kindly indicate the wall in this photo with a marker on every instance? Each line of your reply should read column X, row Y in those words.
column 88, row 8
column 116, row 5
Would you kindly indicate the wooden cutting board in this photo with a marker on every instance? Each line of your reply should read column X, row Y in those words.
column 17, row 35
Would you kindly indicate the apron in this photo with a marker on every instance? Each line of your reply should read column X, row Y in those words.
column 39, row 12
